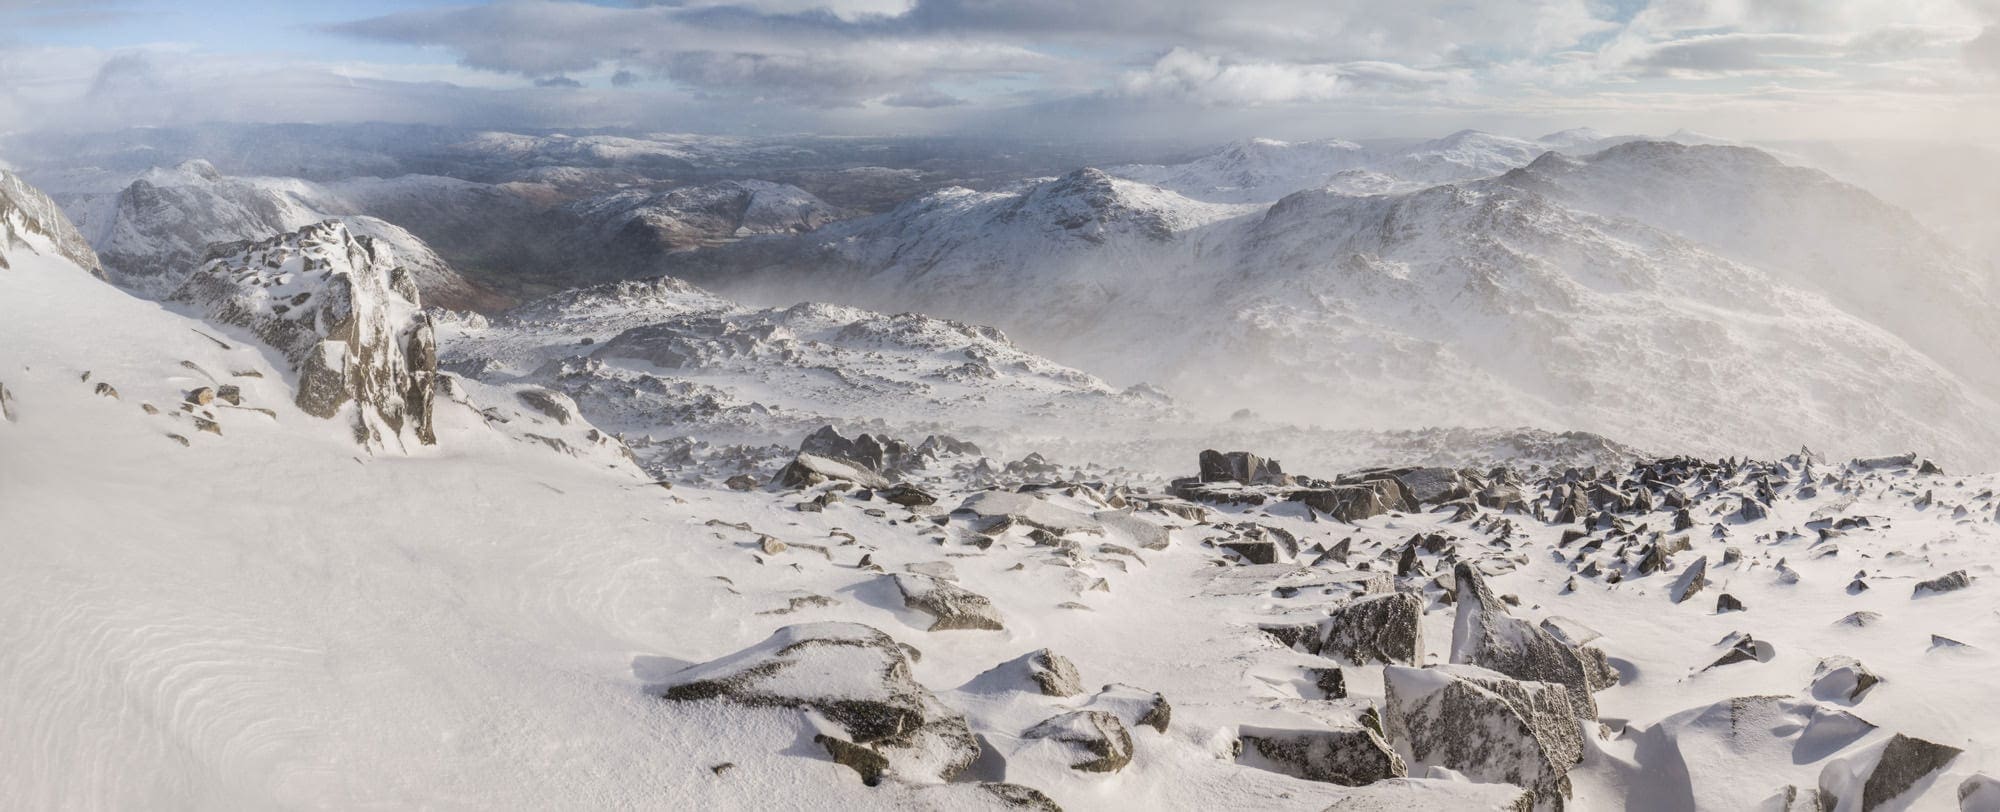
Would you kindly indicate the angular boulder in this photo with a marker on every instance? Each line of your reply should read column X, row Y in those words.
column 1485, row 635
column 1352, row 756
column 807, row 470
column 855, row 676
column 1485, row 726
column 952, row 606
column 1378, row 628
column 1098, row 741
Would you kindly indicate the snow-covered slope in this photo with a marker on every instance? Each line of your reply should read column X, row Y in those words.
column 1485, row 303
column 1870, row 258
column 30, row 221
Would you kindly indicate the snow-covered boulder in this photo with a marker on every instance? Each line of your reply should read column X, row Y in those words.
column 1842, row 679
column 1043, row 671
column 1349, row 755
column 1485, row 726
column 952, row 606
column 855, row 676
column 343, row 311
column 1879, row 777
column 1097, row 741
column 1485, row 635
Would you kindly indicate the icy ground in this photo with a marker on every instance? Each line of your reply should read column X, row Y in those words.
column 270, row 615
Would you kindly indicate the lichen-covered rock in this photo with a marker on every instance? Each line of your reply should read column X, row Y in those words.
column 1485, row 726
column 1485, row 635
column 1349, row 756
column 952, row 606
column 1875, row 778
column 1100, row 742
column 856, row 677
column 340, row 309
column 1378, row 628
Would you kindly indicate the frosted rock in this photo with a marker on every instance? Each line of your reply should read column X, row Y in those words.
column 1484, row 725
column 341, row 310
column 952, row 606
column 1485, row 635
column 855, row 676
column 1097, row 740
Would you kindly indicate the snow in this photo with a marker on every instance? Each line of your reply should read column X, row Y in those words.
column 275, row 616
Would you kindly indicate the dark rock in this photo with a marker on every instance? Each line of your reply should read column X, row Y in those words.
column 1883, row 775
column 1952, row 582
column 1241, row 466
column 1330, row 680
column 909, row 495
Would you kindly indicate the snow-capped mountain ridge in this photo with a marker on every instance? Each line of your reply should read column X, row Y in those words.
column 1490, row 301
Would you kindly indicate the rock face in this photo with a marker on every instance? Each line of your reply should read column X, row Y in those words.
column 954, row 607
column 1379, row 628
column 1872, row 780
column 1100, row 740
column 29, row 220
column 1347, row 756
column 343, row 311
column 855, row 676
column 1485, row 635
column 1484, row 725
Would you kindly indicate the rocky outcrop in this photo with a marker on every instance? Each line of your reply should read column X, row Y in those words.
column 1241, row 467
column 1485, row 726
column 1950, row 582
column 856, row 677
column 342, row 311
column 1842, row 679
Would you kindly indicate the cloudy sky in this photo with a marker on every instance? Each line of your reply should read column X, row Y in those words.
column 1045, row 68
